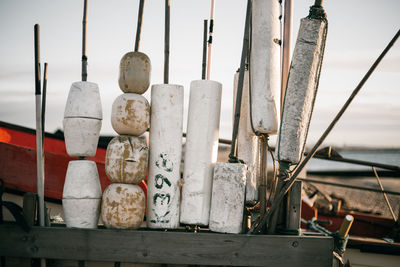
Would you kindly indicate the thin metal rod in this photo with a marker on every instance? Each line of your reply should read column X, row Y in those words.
column 289, row 184
column 384, row 194
column 204, row 63
column 166, row 42
column 44, row 94
column 84, row 56
column 245, row 46
column 287, row 39
column 263, row 173
column 210, row 39
column 347, row 186
column 139, row 25
column 39, row 146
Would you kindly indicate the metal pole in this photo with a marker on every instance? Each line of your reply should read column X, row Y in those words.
column 44, row 94
column 166, row 42
column 289, row 184
column 204, row 63
column 139, row 25
column 84, row 56
column 232, row 155
column 287, row 39
column 210, row 39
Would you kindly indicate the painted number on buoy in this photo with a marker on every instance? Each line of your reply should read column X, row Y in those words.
column 162, row 199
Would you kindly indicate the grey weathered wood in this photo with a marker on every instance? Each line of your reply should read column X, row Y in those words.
column 29, row 208
column 165, row 247
column 294, row 207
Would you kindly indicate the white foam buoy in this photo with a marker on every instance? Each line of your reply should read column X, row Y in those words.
column 227, row 200
column 134, row 73
column 130, row 114
column 127, row 159
column 81, row 194
column 201, row 151
column 82, row 135
column 301, row 90
column 265, row 65
column 123, row 206
column 247, row 143
column 82, row 119
column 163, row 194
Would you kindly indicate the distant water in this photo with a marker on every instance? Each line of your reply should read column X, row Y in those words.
column 390, row 156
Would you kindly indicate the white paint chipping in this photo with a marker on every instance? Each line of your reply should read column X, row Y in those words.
column 123, row 206
column 83, row 101
column 247, row 147
column 134, row 73
column 81, row 136
column 301, row 90
column 130, row 114
column 201, row 151
column 82, row 194
column 265, row 65
column 127, row 159
column 227, row 201
column 165, row 156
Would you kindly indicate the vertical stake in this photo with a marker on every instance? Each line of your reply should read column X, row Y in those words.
column 204, row 63
column 287, row 39
column 210, row 35
column 139, row 25
column 84, row 56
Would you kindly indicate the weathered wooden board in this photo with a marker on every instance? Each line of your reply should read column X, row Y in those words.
column 165, row 247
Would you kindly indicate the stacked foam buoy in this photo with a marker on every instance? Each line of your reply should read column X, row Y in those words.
column 123, row 204
column 82, row 123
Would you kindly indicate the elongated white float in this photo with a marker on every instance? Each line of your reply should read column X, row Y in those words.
column 82, row 119
column 130, row 114
column 201, row 151
column 301, row 90
column 134, row 73
column 81, row 194
column 227, row 202
column 123, row 206
column 163, row 193
column 265, row 65
column 127, row 159
column 247, row 144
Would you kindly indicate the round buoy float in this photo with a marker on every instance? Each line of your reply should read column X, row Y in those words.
column 201, row 151
column 134, row 73
column 165, row 156
column 82, row 119
column 130, row 114
column 81, row 194
column 127, row 159
column 123, row 206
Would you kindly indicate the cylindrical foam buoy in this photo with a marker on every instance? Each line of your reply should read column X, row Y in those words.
column 82, row 119
column 123, row 206
column 81, row 136
column 200, row 151
column 265, row 65
column 134, row 73
column 83, row 101
column 165, row 156
column 227, row 202
column 247, row 141
column 301, row 90
column 130, row 114
column 127, row 159
column 81, row 194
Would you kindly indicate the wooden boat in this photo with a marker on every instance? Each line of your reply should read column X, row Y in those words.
column 18, row 161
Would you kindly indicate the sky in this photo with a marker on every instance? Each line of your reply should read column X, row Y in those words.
column 358, row 31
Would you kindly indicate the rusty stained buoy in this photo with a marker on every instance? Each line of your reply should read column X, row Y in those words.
column 81, row 194
column 82, row 119
column 127, row 159
column 130, row 114
column 134, row 73
column 123, row 206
